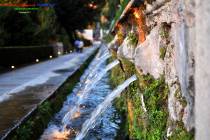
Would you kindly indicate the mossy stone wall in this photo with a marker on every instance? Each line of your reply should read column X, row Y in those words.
column 144, row 106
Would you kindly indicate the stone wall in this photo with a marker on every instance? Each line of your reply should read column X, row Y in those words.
column 164, row 62
column 202, row 73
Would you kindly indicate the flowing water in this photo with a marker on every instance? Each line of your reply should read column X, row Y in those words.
column 92, row 93
column 90, row 83
column 90, row 123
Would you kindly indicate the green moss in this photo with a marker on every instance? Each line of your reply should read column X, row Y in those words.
column 150, row 125
column 117, row 76
column 128, row 67
column 120, row 36
column 108, row 38
column 38, row 123
column 25, row 131
column 139, row 116
column 133, row 39
column 180, row 98
column 164, row 34
column 164, row 30
column 162, row 52
column 180, row 133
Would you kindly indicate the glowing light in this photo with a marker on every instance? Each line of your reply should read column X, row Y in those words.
column 136, row 14
column 37, row 60
column 59, row 53
column 82, row 106
column 90, row 5
column 93, row 6
column 70, row 51
column 12, row 67
column 50, row 56
column 130, row 110
column 76, row 115
column 119, row 25
column 87, row 81
column 139, row 18
column 58, row 135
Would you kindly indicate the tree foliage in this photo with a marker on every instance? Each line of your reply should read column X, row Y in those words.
column 25, row 29
column 35, row 28
column 77, row 14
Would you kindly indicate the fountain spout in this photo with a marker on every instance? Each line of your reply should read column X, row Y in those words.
column 90, row 85
column 90, row 123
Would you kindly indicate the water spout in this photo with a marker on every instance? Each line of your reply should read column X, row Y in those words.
column 102, row 60
column 84, row 92
column 90, row 123
column 87, row 94
column 111, row 65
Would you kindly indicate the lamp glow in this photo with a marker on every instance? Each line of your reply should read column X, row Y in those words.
column 136, row 14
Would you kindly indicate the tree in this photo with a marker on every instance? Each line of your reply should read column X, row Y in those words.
column 26, row 29
column 35, row 28
column 77, row 14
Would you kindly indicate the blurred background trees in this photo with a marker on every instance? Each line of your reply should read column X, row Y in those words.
column 61, row 20
column 37, row 27
column 78, row 14
column 25, row 29
column 109, row 11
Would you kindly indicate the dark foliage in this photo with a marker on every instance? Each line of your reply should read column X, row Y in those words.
column 77, row 14
column 35, row 28
column 23, row 55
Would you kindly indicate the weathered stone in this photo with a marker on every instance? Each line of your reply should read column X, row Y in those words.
column 202, row 73
column 126, row 50
column 147, row 55
column 174, row 106
column 183, row 38
column 179, row 61
column 176, row 61
column 168, row 12
column 112, row 45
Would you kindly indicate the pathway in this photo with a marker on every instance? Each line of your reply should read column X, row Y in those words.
column 22, row 89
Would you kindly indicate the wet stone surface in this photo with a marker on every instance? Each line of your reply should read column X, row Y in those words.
column 11, row 111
